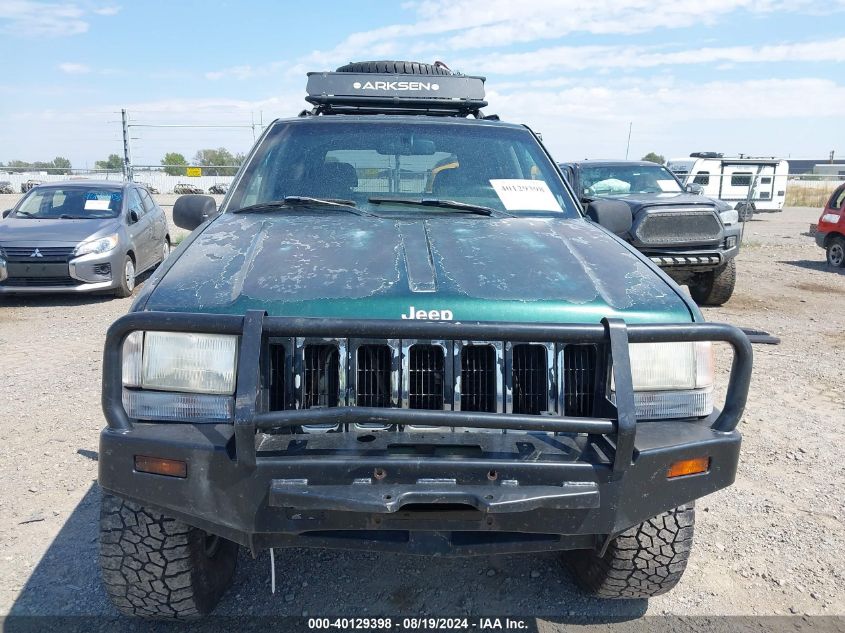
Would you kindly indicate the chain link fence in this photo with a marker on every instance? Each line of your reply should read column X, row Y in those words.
column 155, row 177
column 800, row 190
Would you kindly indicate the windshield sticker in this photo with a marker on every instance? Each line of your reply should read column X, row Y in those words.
column 97, row 205
column 525, row 195
column 667, row 185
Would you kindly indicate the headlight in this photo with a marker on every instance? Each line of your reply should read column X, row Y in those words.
column 97, row 246
column 671, row 380
column 179, row 376
column 731, row 216
column 179, row 361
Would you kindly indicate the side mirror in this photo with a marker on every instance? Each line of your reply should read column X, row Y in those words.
column 695, row 189
column 6, row 213
column 133, row 216
column 191, row 210
column 614, row 215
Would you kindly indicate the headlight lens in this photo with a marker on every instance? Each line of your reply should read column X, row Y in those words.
column 177, row 376
column 731, row 216
column 97, row 246
column 671, row 380
column 177, row 407
column 180, row 361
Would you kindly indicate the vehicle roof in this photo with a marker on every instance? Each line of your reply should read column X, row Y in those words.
column 730, row 159
column 609, row 163
column 398, row 118
column 84, row 183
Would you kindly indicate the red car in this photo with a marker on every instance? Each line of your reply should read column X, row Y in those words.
column 830, row 234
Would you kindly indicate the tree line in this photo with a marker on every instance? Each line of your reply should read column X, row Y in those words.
column 214, row 162
column 58, row 165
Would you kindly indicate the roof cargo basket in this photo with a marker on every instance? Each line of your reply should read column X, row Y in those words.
column 395, row 93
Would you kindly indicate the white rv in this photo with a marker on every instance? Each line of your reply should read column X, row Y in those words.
column 729, row 179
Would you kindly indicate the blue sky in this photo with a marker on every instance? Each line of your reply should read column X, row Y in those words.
column 764, row 77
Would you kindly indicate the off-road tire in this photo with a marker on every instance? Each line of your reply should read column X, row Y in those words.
column 394, row 68
column 714, row 287
column 835, row 252
column 644, row 561
column 157, row 567
column 745, row 211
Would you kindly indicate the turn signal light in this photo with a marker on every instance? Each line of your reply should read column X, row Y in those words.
column 685, row 467
column 160, row 466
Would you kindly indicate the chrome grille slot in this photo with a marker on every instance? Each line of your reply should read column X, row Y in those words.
column 321, row 376
column 579, row 380
column 479, row 371
column 278, row 373
column 44, row 253
column 426, row 377
column 530, row 379
column 373, row 376
column 537, row 378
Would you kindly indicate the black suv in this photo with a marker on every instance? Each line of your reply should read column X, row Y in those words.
column 400, row 333
column 693, row 238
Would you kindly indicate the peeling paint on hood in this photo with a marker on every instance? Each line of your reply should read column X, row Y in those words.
column 508, row 269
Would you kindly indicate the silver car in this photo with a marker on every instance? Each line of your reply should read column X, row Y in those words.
column 81, row 236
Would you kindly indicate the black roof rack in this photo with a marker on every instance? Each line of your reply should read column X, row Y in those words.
column 445, row 95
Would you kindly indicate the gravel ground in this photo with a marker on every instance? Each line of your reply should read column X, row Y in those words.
column 771, row 544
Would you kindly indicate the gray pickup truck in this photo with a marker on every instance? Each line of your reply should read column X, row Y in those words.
column 694, row 239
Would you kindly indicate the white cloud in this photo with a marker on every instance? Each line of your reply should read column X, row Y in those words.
column 580, row 118
column 443, row 26
column 107, row 10
column 591, row 119
column 74, row 69
column 244, row 71
column 613, row 57
column 28, row 18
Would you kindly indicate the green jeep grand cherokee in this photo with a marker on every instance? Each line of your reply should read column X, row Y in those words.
column 401, row 332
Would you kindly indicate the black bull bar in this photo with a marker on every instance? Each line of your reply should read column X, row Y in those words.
column 255, row 327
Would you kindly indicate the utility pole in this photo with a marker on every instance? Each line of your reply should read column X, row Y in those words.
column 628, row 146
column 832, row 154
column 127, row 160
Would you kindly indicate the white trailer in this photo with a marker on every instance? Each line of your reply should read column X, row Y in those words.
column 730, row 178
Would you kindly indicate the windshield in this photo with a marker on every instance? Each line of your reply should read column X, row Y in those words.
column 370, row 163
column 612, row 180
column 70, row 203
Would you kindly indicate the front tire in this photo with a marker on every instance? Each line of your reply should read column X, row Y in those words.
column 714, row 287
column 127, row 279
column 165, row 249
column 836, row 252
column 642, row 562
column 745, row 211
column 154, row 566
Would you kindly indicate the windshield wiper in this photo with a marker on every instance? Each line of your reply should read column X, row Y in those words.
column 289, row 202
column 65, row 216
column 477, row 209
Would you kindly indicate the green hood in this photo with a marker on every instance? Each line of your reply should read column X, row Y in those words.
column 478, row 269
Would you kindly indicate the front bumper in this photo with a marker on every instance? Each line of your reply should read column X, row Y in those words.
column 693, row 260
column 820, row 235
column 563, row 483
column 549, row 492
column 87, row 273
